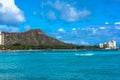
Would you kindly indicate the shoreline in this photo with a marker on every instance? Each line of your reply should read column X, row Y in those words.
column 61, row 50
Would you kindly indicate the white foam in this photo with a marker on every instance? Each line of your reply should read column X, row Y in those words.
column 88, row 54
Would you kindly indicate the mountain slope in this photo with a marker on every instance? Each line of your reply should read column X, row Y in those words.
column 33, row 37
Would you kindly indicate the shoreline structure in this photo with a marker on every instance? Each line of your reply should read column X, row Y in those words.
column 1, row 38
column 108, row 45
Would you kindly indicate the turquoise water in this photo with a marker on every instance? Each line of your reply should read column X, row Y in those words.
column 60, row 65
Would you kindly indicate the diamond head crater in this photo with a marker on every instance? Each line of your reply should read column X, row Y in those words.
column 34, row 39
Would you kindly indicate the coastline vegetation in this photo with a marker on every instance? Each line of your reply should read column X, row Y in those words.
column 18, row 46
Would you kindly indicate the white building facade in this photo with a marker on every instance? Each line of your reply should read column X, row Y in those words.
column 1, row 38
column 112, row 44
column 108, row 45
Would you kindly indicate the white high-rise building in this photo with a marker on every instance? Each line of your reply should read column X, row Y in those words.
column 108, row 45
column 112, row 44
column 1, row 38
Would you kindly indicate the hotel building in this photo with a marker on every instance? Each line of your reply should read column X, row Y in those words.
column 108, row 45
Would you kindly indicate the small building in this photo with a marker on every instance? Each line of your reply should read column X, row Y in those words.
column 1, row 38
column 101, row 45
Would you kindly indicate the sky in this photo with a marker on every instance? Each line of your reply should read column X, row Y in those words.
column 81, row 22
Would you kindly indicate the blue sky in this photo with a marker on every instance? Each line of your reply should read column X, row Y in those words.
column 82, row 22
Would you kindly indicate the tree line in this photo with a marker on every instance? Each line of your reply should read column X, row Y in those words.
column 18, row 46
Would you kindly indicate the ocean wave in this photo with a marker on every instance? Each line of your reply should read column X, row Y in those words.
column 88, row 54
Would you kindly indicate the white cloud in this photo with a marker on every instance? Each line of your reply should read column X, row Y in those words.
column 51, row 15
column 117, row 23
column 106, row 22
column 61, row 30
column 102, row 28
column 86, row 29
column 68, row 12
column 8, row 28
column 58, row 37
column 72, row 14
column 94, row 30
column 82, row 42
column 90, row 29
column 73, row 29
column 27, row 27
column 10, row 13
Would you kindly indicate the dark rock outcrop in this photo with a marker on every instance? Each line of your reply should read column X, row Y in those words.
column 33, row 37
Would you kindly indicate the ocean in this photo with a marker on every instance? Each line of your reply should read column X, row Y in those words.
column 60, row 65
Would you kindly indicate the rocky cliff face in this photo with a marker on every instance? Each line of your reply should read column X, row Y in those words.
column 32, row 37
